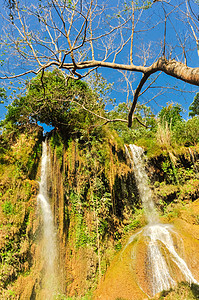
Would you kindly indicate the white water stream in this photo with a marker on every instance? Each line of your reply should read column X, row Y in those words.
column 160, row 245
column 49, row 232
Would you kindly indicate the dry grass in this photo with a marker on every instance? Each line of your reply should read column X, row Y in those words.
column 163, row 136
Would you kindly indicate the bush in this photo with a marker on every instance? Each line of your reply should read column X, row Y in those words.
column 187, row 133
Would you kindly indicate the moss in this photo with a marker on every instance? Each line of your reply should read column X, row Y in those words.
column 94, row 198
column 182, row 292
column 17, row 191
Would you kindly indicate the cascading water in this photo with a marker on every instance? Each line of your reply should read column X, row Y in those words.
column 49, row 232
column 142, row 184
column 162, row 255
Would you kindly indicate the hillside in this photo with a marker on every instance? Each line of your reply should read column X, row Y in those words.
column 96, row 208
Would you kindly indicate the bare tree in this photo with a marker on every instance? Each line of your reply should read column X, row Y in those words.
column 80, row 36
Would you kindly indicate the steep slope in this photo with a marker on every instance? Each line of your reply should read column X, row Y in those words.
column 129, row 275
column 19, row 158
column 96, row 208
column 93, row 195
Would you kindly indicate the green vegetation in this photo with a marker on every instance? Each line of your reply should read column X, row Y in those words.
column 137, row 132
column 76, row 108
column 194, row 107
column 8, row 208
column 167, row 132
column 3, row 95
column 19, row 158
column 182, row 292
column 90, row 176
column 55, row 101
column 170, row 115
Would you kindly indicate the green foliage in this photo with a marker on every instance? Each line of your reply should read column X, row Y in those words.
column 82, row 236
column 194, row 107
column 89, row 190
column 18, row 164
column 166, row 133
column 80, row 230
column 182, row 291
column 17, row 113
column 184, row 175
column 3, row 95
column 12, row 293
column 40, row 102
column 187, row 132
column 54, row 100
column 133, row 225
column 170, row 115
column 100, row 88
column 100, row 206
column 132, row 135
column 170, row 171
column 8, row 208
column 56, row 143
column 143, row 4
column 118, row 246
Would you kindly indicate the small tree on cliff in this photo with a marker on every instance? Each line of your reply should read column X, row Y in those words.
column 81, row 36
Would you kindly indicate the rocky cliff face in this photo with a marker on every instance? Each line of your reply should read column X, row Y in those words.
column 96, row 208
column 128, row 276
column 93, row 194
column 19, row 158
column 174, row 180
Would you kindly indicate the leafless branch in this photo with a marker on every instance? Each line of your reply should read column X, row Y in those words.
column 81, row 36
column 135, row 99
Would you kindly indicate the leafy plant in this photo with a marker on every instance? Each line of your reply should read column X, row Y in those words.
column 8, row 208
column 170, row 171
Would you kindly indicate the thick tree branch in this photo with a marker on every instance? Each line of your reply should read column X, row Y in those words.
column 70, row 35
column 135, row 98
column 170, row 67
column 179, row 70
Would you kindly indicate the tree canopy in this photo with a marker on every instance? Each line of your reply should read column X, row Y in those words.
column 147, row 38
column 52, row 100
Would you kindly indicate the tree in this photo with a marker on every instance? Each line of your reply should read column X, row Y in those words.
column 78, row 36
column 143, row 115
column 51, row 100
column 170, row 115
column 194, row 107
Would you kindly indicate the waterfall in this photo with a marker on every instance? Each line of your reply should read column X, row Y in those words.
column 142, row 184
column 49, row 232
column 162, row 252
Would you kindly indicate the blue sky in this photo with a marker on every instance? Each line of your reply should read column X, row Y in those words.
column 176, row 91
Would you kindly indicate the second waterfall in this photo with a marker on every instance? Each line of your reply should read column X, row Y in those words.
column 165, row 265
